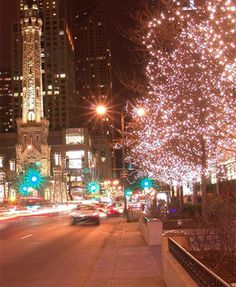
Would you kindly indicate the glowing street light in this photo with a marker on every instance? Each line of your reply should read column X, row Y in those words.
column 101, row 110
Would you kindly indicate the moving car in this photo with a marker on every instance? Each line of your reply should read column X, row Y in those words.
column 85, row 213
column 115, row 209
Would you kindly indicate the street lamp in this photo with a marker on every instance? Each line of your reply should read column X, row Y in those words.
column 101, row 110
column 140, row 111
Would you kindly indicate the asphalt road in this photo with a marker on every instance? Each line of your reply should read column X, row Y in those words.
column 50, row 252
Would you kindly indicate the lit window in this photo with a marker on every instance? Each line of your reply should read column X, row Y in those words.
column 75, row 159
column 74, row 139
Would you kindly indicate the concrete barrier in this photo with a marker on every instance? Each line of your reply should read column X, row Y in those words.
column 174, row 274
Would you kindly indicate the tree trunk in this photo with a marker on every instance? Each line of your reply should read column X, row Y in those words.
column 155, row 199
column 172, row 192
column 204, row 194
column 69, row 191
column 178, row 201
column 181, row 196
column 194, row 192
column 203, row 176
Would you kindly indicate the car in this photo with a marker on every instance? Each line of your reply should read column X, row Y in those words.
column 115, row 210
column 3, row 210
column 101, row 208
column 85, row 213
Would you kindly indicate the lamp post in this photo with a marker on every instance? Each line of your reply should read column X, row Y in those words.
column 123, row 172
column 140, row 111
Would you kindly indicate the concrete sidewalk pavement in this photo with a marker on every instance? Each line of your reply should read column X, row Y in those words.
column 126, row 261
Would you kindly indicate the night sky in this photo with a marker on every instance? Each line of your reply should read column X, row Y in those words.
column 8, row 13
column 117, row 14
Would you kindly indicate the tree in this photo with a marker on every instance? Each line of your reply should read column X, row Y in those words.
column 189, row 127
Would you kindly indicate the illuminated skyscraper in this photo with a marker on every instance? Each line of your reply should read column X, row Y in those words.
column 92, row 56
column 5, row 102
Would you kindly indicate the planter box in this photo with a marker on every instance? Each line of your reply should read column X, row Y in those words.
column 151, row 230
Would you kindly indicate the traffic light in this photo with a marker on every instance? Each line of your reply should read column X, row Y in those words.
column 34, row 178
column 23, row 188
column 146, row 183
column 92, row 187
column 86, row 170
column 31, row 179
column 128, row 192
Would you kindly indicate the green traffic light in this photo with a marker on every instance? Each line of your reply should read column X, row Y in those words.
column 128, row 192
column 146, row 183
column 34, row 178
column 31, row 179
column 92, row 187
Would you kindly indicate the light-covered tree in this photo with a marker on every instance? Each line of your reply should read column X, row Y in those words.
column 189, row 127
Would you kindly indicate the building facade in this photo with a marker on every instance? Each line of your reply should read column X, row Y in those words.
column 5, row 102
column 92, row 60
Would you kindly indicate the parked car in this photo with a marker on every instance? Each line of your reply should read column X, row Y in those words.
column 85, row 213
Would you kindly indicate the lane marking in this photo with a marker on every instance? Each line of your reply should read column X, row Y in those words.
column 51, row 228
column 26, row 236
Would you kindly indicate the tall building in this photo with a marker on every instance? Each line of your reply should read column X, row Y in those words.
column 57, row 56
column 32, row 128
column 92, row 58
column 5, row 102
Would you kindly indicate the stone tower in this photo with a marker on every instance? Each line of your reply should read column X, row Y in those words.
column 32, row 128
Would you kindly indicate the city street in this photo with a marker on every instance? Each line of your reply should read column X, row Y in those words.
column 51, row 252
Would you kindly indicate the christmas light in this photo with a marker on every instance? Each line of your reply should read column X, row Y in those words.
column 190, row 126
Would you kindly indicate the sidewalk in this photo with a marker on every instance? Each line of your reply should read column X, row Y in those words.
column 126, row 261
